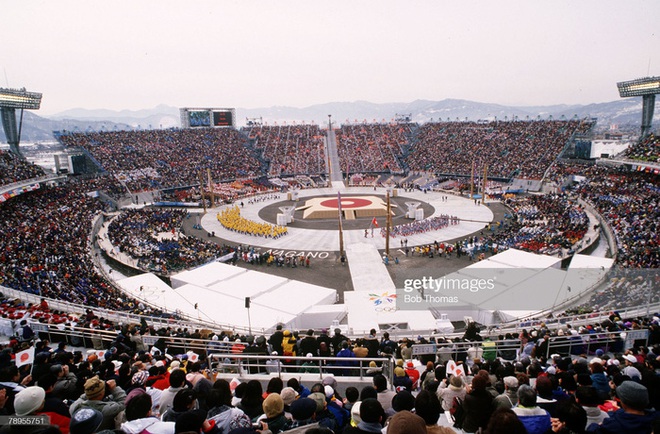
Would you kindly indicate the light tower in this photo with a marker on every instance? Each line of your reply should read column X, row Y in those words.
column 647, row 88
column 10, row 100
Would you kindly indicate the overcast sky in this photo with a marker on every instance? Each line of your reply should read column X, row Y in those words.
column 249, row 54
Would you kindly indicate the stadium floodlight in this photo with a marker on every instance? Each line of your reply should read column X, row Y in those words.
column 10, row 100
column 19, row 99
column 647, row 88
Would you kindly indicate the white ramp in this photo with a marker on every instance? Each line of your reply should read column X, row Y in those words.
column 368, row 272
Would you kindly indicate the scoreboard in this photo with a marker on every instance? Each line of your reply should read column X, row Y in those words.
column 208, row 117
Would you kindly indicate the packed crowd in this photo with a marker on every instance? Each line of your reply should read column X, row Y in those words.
column 421, row 226
column 540, row 380
column 522, row 149
column 230, row 218
column 542, row 224
column 630, row 202
column 372, row 147
column 157, row 159
column 14, row 169
column 44, row 247
column 647, row 149
column 290, row 149
column 152, row 236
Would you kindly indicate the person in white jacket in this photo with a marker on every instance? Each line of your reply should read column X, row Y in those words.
column 140, row 420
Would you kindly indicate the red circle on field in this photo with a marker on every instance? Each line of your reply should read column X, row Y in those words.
column 349, row 202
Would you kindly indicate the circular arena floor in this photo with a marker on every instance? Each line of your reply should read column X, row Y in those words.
column 322, row 234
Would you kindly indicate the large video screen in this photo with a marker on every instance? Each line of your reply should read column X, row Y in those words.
column 199, row 119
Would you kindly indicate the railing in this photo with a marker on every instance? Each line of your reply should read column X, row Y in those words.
column 244, row 365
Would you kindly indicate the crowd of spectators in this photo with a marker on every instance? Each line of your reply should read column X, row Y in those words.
column 45, row 247
column 14, row 169
column 542, row 224
column 630, row 202
column 376, row 147
column 157, row 159
column 153, row 237
column 230, row 218
column 290, row 149
column 510, row 148
column 647, row 149
column 538, row 380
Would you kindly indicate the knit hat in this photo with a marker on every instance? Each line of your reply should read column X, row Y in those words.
column 29, row 400
column 330, row 381
column 355, row 412
column 319, row 398
column 139, row 378
column 633, row 395
column 329, row 391
column 288, row 395
column 273, row 405
column 399, row 372
column 405, row 422
column 94, row 387
column 85, row 421
column 303, row 408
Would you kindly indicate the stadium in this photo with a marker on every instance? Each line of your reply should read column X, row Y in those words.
column 205, row 244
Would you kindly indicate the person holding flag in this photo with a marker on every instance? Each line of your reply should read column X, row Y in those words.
column 374, row 223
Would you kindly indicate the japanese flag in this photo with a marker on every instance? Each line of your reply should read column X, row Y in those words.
column 100, row 354
column 192, row 357
column 25, row 357
column 454, row 369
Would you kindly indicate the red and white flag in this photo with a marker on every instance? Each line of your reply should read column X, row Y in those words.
column 374, row 222
column 192, row 357
column 25, row 357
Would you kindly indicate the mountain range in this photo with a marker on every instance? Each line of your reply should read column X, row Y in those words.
column 624, row 113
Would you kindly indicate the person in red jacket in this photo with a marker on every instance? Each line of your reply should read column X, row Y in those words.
column 413, row 374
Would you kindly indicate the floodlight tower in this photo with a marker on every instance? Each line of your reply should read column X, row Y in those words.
column 10, row 100
column 647, row 88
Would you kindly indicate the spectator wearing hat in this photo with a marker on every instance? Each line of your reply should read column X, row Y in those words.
column 30, row 402
column 273, row 407
column 446, row 394
column 508, row 398
column 633, row 417
column 323, row 416
column 413, row 374
column 477, row 405
column 370, row 420
column 139, row 417
column 535, row 419
column 94, row 397
column 85, row 421
column 401, row 380
column 302, row 411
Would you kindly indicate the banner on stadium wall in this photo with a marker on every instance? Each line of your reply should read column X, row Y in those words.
column 18, row 191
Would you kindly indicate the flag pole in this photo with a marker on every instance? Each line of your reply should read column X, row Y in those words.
column 341, row 230
column 387, row 226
